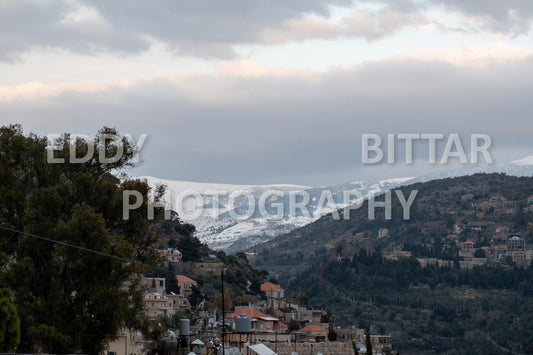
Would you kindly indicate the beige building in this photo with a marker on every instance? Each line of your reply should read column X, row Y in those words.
column 127, row 343
column 179, row 301
column 275, row 295
column 172, row 255
column 156, row 305
column 185, row 284
column 153, row 284
column 312, row 331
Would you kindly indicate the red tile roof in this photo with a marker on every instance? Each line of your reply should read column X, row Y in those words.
column 252, row 313
column 279, row 313
column 279, row 324
column 184, row 279
column 269, row 286
column 312, row 328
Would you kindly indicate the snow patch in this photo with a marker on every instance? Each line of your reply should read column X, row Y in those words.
column 524, row 161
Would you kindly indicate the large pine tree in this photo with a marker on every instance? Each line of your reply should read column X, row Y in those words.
column 70, row 300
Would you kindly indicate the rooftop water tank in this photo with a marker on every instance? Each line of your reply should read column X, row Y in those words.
column 184, row 327
column 243, row 324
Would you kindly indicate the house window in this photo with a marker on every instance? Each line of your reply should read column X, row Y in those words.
column 160, row 283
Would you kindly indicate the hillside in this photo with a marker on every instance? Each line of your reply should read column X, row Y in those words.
column 218, row 226
column 471, row 207
column 476, row 295
column 199, row 262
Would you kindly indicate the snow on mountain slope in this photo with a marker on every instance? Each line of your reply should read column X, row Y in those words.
column 220, row 221
column 237, row 224
column 522, row 162
column 201, row 187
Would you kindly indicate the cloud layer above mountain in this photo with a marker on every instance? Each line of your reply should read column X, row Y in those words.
column 247, row 91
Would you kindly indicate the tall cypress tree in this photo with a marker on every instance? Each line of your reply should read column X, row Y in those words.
column 368, row 341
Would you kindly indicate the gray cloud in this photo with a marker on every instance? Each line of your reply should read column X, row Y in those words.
column 297, row 128
column 27, row 24
column 210, row 29
column 357, row 24
column 200, row 28
column 510, row 16
column 495, row 8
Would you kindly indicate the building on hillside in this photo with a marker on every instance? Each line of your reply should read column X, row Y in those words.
column 280, row 327
column 260, row 321
column 500, row 238
column 530, row 199
column 153, row 284
column 275, row 295
column 179, row 301
column 467, row 249
column 458, row 228
column 380, row 343
column 469, row 263
column 158, row 305
column 312, row 331
column 501, row 230
column 397, row 254
column 172, row 255
column 313, row 316
column 185, row 284
column 521, row 257
column 383, row 232
column 236, row 340
column 127, row 343
column 515, row 243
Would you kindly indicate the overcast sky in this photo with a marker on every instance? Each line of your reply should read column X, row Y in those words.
column 279, row 91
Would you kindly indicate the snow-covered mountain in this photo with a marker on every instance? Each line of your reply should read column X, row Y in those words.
column 233, row 223
column 225, row 218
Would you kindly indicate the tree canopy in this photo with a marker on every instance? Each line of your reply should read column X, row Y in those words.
column 9, row 323
column 71, row 299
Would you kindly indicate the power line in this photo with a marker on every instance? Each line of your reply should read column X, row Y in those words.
column 101, row 253
column 104, row 254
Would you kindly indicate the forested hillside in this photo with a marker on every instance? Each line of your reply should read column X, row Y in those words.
column 437, row 208
column 366, row 278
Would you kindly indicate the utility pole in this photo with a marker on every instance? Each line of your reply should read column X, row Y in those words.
column 223, row 312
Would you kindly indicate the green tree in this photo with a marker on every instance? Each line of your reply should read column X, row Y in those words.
column 196, row 296
column 354, row 345
column 9, row 323
column 190, row 248
column 71, row 299
column 480, row 253
column 368, row 340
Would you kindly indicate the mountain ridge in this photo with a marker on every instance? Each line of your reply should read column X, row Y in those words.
column 220, row 230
